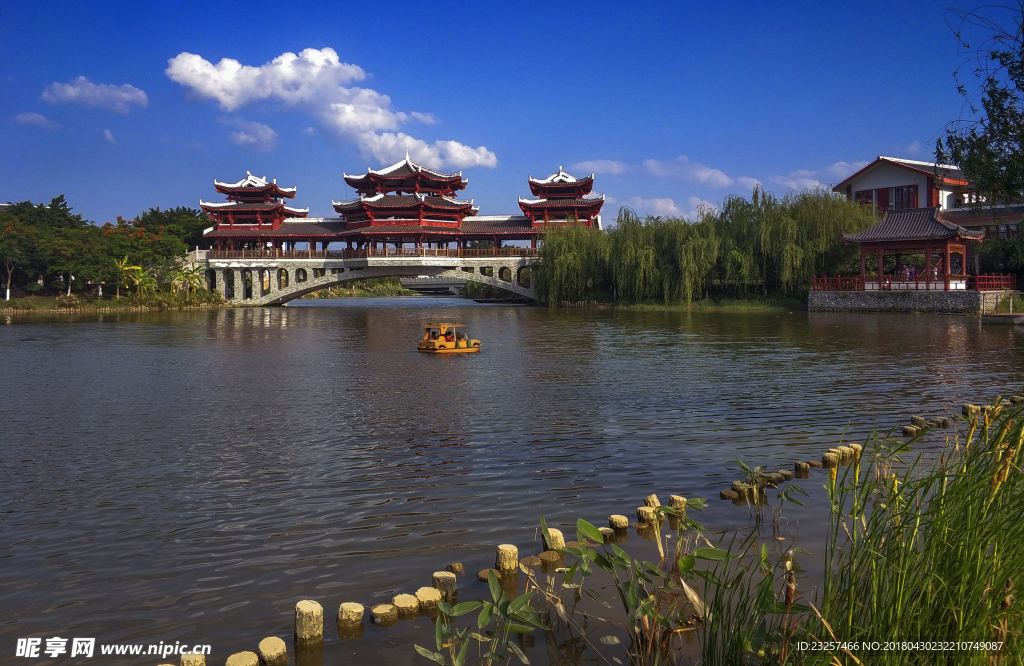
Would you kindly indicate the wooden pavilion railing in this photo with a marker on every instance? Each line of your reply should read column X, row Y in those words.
column 938, row 283
column 991, row 282
column 838, row 283
column 369, row 253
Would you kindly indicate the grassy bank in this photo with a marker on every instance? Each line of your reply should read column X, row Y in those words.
column 722, row 305
column 86, row 303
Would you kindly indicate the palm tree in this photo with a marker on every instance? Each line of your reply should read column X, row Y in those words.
column 124, row 273
column 188, row 279
column 144, row 282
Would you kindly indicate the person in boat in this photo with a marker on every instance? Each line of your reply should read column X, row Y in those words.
column 449, row 337
column 433, row 334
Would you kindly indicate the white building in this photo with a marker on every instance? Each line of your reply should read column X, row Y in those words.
column 894, row 183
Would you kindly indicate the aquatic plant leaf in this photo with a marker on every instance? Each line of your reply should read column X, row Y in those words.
column 495, row 586
column 589, row 531
column 464, row 607
column 514, row 649
column 433, row 656
column 518, row 629
column 686, row 562
column 484, row 618
column 711, row 554
column 610, row 640
column 519, row 602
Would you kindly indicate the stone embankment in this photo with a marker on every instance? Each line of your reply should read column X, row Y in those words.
column 955, row 302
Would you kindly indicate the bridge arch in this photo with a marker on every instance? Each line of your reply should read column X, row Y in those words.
column 272, row 281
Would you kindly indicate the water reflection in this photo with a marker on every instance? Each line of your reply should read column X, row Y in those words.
column 172, row 476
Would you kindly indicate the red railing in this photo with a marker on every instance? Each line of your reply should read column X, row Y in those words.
column 938, row 283
column 991, row 282
column 838, row 283
column 370, row 253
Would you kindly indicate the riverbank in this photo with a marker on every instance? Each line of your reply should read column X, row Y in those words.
column 723, row 305
column 60, row 304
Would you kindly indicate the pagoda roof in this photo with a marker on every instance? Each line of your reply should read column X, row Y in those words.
column 404, row 202
column 404, row 170
column 258, row 206
column 254, row 184
column 913, row 224
column 305, row 229
column 560, row 177
column 583, row 202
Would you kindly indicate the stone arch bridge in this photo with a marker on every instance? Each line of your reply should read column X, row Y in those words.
column 268, row 277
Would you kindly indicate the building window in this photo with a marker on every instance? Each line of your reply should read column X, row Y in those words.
column 864, row 196
column 906, row 197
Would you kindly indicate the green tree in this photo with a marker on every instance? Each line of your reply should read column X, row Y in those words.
column 987, row 141
column 17, row 245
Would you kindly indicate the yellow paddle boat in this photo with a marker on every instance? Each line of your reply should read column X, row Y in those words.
column 444, row 339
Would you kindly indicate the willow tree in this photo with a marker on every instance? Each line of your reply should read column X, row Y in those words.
column 573, row 260
column 634, row 264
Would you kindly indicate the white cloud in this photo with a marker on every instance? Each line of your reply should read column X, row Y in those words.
column 425, row 118
column 119, row 99
column 683, row 168
column 810, row 179
column 108, row 136
column 251, row 134
column 749, row 183
column 799, row 180
column 839, row 171
column 315, row 82
column 667, row 207
column 34, row 119
column 612, row 167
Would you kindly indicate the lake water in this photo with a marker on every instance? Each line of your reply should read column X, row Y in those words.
column 189, row 476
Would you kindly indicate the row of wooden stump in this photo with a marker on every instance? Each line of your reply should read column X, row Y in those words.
column 744, row 492
column 309, row 614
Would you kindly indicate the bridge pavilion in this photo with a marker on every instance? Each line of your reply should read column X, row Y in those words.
column 403, row 204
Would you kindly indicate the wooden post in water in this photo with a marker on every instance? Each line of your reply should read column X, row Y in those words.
column 243, row 659
column 557, row 540
column 272, row 652
column 445, row 583
column 506, row 558
column 618, row 523
column 309, row 622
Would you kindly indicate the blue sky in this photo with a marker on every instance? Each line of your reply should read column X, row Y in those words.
column 122, row 106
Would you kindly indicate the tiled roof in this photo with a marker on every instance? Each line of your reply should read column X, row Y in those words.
column 251, row 182
column 997, row 215
column 912, row 224
column 241, row 205
column 403, row 169
column 560, row 178
column 496, row 224
column 288, row 229
column 403, row 201
column 561, row 203
column 401, row 230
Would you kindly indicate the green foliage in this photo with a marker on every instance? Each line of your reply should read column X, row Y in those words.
column 922, row 552
column 987, row 142
column 762, row 244
column 496, row 622
column 49, row 243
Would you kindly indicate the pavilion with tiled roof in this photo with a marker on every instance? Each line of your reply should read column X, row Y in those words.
column 405, row 203
column 912, row 231
column 406, row 177
column 562, row 197
column 254, row 207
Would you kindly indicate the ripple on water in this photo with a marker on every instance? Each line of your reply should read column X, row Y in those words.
column 189, row 476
